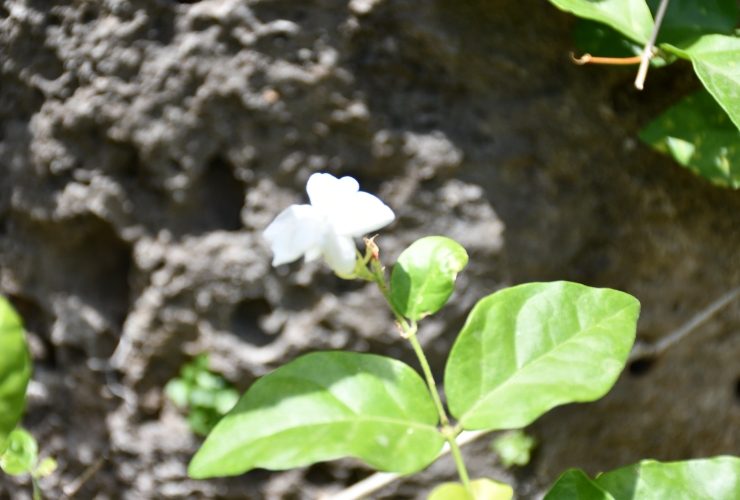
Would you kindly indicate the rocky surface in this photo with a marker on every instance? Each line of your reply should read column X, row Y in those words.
column 145, row 144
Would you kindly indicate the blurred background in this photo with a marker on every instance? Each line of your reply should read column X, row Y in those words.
column 145, row 144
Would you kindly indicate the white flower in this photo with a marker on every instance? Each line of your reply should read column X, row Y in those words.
column 338, row 212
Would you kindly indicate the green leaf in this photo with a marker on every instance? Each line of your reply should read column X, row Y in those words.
column 600, row 40
column 716, row 60
column 514, row 448
column 178, row 390
column 687, row 20
column 483, row 489
column 226, row 399
column 707, row 479
column 575, row 485
column 450, row 491
column 203, row 420
column 424, row 276
column 322, row 406
column 209, row 381
column 21, row 454
column 699, row 135
column 15, row 370
column 45, row 467
column 486, row 489
column 203, row 398
column 632, row 18
column 531, row 347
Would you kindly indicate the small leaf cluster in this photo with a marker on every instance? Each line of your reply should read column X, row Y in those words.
column 701, row 131
column 521, row 352
column 514, row 448
column 207, row 396
column 21, row 456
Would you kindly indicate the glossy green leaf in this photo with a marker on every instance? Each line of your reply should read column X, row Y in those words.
column 687, row 20
column 322, row 406
column 699, row 135
column 526, row 349
column 483, row 489
column 707, row 479
column 21, row 454
column 632, row 18
column 15, row 370
column 716, row 60
column 575, row 485
column 424, row 275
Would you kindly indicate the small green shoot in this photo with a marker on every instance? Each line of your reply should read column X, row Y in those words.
column 205, row 395
column 514, row 448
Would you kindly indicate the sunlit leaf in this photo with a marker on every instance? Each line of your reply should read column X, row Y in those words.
column 178, row 391
column 45, row 467
column 450, row 491
column 699, row 135
column 632, row 18
column 483, row 489
column 514, row 448
column 706, row 479
column 575, row 485
column 322, row 406
column 21, row 454
column 487, row 489
column 716, row 60
column 526, row 349
column 424, row 275
column 15, row 370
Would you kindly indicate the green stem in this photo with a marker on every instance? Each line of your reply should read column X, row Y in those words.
column 409, row 332
column 457, row 455
column 36, row 489
column 430, row 380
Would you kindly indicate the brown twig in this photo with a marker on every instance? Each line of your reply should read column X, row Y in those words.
column 617, row 61
column 72, row 488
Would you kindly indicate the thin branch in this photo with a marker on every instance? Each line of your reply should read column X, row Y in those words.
column 642, row 350
column 72, row 488
column 647, row 53
column 617, row 61
column 381, row 479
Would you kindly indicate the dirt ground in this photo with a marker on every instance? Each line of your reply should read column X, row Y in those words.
column 145, row 144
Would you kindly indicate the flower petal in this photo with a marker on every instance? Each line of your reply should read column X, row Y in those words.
column 361, row 214
column 327, row 193
column 341, row 253
column 296, row 230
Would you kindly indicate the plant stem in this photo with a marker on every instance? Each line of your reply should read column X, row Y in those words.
column 461, row 470
column 647, row 52
column 409, row 332
column 36, row 489
column 430, row 381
